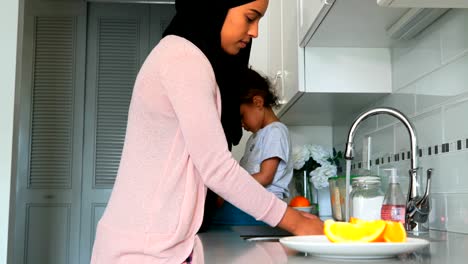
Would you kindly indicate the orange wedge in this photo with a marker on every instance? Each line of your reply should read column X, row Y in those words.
column 365, row 231
column 354, row 220
column 394, row 232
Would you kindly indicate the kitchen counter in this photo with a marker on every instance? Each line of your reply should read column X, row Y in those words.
column 225, row 245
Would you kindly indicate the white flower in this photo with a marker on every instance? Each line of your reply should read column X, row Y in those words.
column 300, row 156
column 319, row 154
column 319, row 176
column 319, row 182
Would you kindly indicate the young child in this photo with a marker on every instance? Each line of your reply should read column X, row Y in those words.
column 267, row 154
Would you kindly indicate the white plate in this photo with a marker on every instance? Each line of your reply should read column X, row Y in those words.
column 322, row 247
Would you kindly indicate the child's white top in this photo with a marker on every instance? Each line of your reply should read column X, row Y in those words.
column 271, row 141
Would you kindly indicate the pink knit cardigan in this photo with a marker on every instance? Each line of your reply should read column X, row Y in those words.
column 174, row 149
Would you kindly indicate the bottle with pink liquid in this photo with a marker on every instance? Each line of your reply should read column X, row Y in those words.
column 394, row 204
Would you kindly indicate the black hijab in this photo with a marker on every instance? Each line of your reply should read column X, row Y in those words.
column 200, row 22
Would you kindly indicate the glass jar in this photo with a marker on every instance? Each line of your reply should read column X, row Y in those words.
column 303, row 185
column 337, row 187
column 335, row 198
column 366, row 198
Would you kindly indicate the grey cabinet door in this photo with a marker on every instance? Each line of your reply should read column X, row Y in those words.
column 50, row 141
column 120, row 36
column 80, row 61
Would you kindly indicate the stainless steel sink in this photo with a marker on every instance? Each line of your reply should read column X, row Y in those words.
column 260, row 233
column 262, row 239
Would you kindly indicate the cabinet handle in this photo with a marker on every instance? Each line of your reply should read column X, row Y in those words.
column 278, row 75
column 328, row 2
column 49, row 196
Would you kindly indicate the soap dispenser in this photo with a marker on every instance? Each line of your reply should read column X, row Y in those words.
column 394, row 204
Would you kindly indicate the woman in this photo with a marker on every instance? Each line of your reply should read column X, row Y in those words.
column 175, row 147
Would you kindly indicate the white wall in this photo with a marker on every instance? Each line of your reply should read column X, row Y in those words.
column 8, row 48
column 319, row 135
column 300, row 135
column 238, row 151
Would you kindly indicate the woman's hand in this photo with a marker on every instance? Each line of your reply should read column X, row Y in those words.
column 300, row 223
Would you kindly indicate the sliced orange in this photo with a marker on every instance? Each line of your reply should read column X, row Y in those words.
column 394, row 232
column 365, row 231
column 354, row 220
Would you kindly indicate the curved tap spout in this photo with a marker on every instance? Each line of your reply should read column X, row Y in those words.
column 413, row 190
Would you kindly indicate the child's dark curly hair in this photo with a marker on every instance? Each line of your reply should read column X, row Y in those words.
column 253, row 84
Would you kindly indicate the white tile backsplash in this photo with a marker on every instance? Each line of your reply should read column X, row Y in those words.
column 413, row 62
column 457, row 212
column 453, row 34
column 340, row 132
column 404, row 102
column 430, row 84
column 368, row 125
column 442, row 85
column 451, row 172
column 428, row 131
column 402, row 139
column 439, row 212
column 382, row 142
column 357, row 148
column 456, row 125
column 449, row 212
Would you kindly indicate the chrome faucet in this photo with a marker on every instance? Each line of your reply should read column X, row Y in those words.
column 417, row 204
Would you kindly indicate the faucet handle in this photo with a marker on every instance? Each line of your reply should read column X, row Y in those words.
column 428, row 183
column 422, row 206
column 418, row 210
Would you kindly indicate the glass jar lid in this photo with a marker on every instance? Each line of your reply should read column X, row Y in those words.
column 367, row 178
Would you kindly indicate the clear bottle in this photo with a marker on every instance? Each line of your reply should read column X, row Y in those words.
column 394, row 204
column 335, row 198
column 366, row 198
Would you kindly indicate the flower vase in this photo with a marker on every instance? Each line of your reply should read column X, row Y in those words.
column 324, row 204
column 304, row 187
column 302, row 184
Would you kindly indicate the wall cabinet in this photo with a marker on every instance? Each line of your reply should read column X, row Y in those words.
column 292, row 53
column 275, row 52
column 266, row 54
column 349, row 23
column 342, row 57
column 311, row 13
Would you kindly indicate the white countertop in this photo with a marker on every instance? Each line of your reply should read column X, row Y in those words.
column 224, row 245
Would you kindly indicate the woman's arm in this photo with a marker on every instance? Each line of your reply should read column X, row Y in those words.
column 301, row 223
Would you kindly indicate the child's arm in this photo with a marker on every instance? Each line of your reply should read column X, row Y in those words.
column 267, row 171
